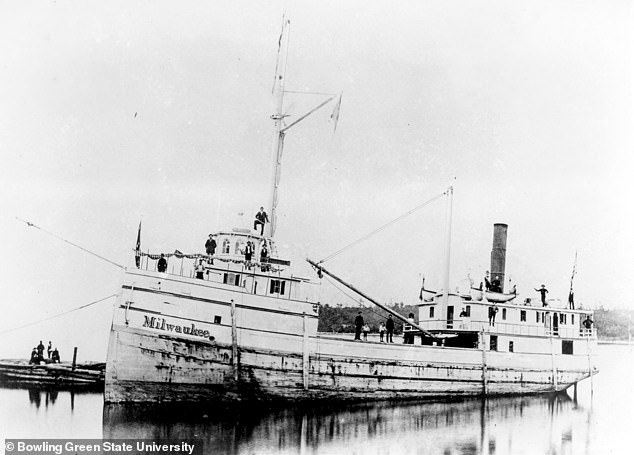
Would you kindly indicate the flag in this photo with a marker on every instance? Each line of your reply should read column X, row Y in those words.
column 137, row 250
column 335, row 112
column 574, row 271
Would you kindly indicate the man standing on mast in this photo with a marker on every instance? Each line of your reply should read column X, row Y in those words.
column 261, row 218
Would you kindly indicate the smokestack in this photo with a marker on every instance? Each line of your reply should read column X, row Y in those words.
column 498, row 252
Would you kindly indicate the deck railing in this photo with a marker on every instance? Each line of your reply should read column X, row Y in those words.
column 565, row 331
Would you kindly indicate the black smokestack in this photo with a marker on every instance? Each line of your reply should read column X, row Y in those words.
column 498, row 252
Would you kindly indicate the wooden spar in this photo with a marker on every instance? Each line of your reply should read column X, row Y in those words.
column 365, row 296
column 283, row 130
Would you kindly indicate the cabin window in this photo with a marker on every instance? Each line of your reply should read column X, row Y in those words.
column 226, row 246
column 238, row 247
column 566, row 347
column 217, row 319
column 522, row 315
column 562, row 318
column 537, row 316
column 431, row 312
column 504, row 314
column 231, row 278
column 467, row 310
column 493, row 343
column 277, row 287
column 510, row 346
column 572, row 319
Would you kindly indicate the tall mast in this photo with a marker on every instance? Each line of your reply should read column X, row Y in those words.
column 278, row 116
column 448, row 244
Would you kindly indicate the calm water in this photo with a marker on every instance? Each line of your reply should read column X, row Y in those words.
column 597, row 423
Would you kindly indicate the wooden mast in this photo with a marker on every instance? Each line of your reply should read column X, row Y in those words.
column 278, row 116
column 279, row 128
column 448, row 244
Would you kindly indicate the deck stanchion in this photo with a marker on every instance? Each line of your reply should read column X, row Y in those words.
column 485, row 384
column 306, row 356
column 590, row 366
column 74, row 358
column 554, row 366
column 234, row 341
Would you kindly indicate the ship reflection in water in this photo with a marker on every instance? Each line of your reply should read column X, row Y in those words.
column 544, row 425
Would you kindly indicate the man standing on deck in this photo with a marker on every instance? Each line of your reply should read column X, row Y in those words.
column 358, row 325
column 162, row 264
column 571, row 300
column 496, row 286
column 389, row 327
column 260, row 219
column 543, row 291
column 210, row 248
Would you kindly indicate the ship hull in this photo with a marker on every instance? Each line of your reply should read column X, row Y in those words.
column 270, row 351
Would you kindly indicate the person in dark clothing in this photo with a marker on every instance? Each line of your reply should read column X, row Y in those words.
column 40, row 351
column 487, row 283
column 200, row 270
column 210, row 247
column 587, row 323
column 248, row 253
column 162, row 264
column 49, row 349
column 571, row 300
column 493, row 310
column 55, row 356
column 264, row 257
column 261, row 218
column 543, row 291
column 358, row 325
column 389, row 327
column 34, row 356
column 496, row 286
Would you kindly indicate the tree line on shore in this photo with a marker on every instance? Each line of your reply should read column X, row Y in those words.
column 610, row 324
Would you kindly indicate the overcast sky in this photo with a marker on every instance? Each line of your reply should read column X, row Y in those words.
column 113, row 111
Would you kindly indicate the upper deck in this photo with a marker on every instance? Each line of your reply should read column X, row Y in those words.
column 459, row 314
column 230, row 267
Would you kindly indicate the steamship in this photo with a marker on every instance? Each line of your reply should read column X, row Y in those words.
column 247, row 329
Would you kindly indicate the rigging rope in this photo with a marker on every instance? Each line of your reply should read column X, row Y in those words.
column 361, row 303
column 57, row 315
column 382, row 227
column 29, row 224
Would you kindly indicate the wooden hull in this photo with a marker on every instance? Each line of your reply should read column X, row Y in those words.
column 268, row 351
column 60, row 374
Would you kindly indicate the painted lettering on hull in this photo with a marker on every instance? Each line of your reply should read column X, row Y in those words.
column 153, row 322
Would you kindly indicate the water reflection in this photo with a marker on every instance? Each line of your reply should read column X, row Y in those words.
column 548, row 425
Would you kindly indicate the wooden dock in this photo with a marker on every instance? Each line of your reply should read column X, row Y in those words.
column 17, row 371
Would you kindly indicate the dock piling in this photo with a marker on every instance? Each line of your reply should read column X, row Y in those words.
column 74, row 358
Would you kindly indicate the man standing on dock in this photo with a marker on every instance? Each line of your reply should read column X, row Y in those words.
column 389, row 326
column 358, row 325
column 543, row 291
column 40, row 350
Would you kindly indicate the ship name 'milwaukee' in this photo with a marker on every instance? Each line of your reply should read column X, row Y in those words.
column 162, row 324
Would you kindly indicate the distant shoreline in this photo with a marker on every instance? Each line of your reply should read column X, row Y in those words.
column 621, row 342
